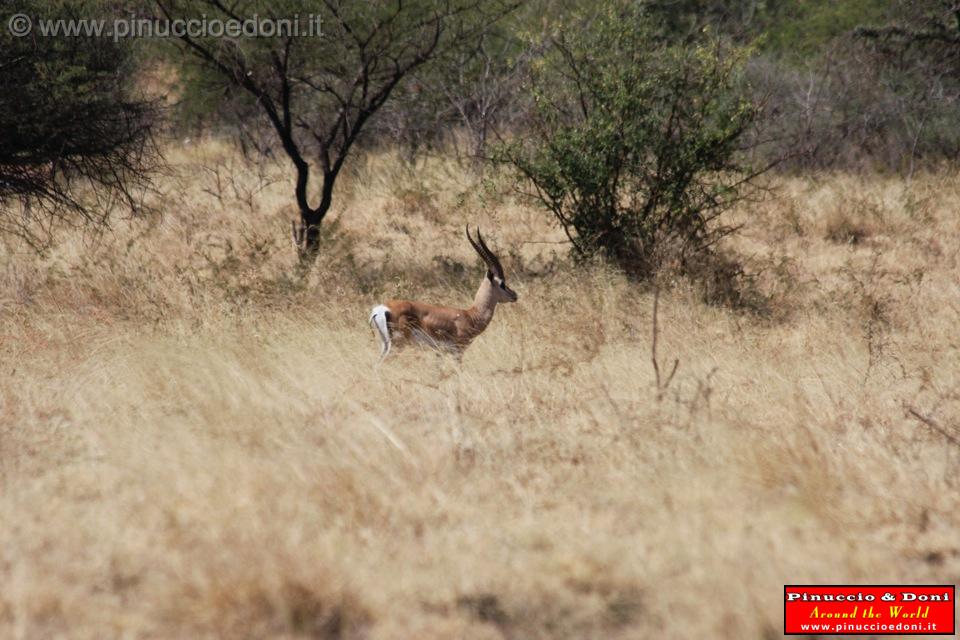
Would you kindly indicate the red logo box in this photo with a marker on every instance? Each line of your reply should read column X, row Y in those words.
column 923, row 610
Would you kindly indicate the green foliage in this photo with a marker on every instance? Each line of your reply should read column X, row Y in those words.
column 798, row 30
column 633, row 144
column 68, row 113
column 785, row 28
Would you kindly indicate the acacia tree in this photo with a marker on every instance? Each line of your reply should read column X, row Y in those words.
column 319, row 92
column 77, row 137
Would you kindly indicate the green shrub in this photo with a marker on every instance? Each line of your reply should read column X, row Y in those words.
column 634, row 141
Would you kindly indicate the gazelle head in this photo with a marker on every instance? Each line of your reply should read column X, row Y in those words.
column 502, row 292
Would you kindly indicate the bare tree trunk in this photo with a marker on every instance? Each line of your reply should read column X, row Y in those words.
column 306, row 241
column 306, row 238
column 306, row 234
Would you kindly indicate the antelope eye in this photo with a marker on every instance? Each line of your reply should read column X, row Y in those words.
column 503, row 285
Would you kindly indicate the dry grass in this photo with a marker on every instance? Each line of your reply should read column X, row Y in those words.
column 194, row 444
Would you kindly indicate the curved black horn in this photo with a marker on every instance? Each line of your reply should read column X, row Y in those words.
column 479, row 250
column 494, row 260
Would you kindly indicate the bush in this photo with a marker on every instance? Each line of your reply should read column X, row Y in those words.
column 76, row 136
column 634, row 140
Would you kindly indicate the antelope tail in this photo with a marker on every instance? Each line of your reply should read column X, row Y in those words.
column 378, row 319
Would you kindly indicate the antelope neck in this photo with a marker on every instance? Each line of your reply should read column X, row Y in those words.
column 484, row 303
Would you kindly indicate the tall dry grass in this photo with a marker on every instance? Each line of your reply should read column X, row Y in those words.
column 193, row 443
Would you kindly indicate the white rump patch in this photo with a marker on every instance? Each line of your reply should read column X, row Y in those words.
column 378, row 319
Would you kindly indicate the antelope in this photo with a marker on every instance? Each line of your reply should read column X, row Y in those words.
column 446, row 329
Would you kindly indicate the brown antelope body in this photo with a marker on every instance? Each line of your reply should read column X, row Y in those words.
column 444, row 328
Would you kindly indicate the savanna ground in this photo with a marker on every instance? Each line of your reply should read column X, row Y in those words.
column 195, row 443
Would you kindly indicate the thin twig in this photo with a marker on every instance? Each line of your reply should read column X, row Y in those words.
column 653, row 342
column 930, row 422
column 653, row 349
